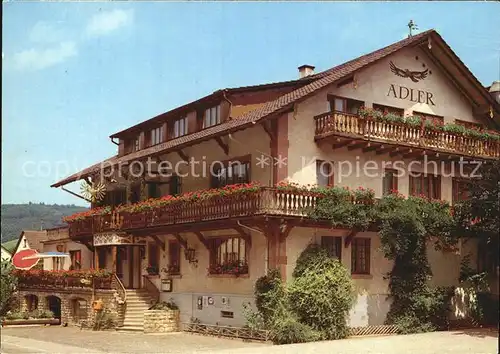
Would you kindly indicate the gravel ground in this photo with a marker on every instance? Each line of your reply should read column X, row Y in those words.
column 71, row 340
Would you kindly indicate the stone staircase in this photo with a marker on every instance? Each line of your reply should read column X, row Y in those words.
column 138, row 301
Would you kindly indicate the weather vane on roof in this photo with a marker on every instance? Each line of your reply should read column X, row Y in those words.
column 412, row 26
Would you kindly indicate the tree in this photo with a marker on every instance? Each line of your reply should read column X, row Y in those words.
column 8, row 283
column 479, row 216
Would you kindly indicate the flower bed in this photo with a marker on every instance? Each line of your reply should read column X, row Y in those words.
column 29, row 317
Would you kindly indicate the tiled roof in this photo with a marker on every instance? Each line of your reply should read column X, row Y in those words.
column 318, row 81
column 34, row 239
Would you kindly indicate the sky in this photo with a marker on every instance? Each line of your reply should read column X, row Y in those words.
column 75, row 73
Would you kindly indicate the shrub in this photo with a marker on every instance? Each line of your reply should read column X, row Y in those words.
column 322, row 293
column 14, row 315
column 290, row 330
column 163, row 305
column 270, row 295
column 46, row 314
column 104, row 320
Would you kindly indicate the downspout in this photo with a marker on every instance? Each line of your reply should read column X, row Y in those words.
column 266, row 255
column 114, row 142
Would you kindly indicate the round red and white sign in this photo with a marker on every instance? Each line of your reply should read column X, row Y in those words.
column 19, row 261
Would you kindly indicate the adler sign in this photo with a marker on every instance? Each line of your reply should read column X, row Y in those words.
column 413, row 95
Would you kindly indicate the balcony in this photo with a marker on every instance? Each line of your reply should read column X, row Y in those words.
column 64, row 280
column 272, row 201
column 349, row 127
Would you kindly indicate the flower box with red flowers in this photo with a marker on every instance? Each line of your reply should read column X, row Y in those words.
column 235, row 268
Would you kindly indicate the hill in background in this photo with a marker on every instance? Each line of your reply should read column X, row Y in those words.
column 18, row 217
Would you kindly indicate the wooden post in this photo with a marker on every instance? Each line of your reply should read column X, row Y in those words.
column 96, row 258
column 113, row 254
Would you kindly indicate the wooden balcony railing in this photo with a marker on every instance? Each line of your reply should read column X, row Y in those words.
column 354, row 126
column 265, row 201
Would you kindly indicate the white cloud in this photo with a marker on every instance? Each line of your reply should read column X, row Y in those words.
column 43, row 32
column 107, row 22
column 35, row 59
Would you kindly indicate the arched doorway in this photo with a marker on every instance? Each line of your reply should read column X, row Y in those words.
column 31, row 302
column 54, row 305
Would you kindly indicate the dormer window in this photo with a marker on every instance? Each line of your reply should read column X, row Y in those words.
column 156, row 136
column 180, row 127
column 211, row 117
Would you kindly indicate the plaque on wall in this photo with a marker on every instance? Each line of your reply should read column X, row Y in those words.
column 166, row 285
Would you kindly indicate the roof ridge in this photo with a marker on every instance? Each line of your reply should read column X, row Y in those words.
column 409, row 39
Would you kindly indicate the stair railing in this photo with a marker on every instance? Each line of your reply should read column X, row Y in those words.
column 120, row 289
column 152, row 289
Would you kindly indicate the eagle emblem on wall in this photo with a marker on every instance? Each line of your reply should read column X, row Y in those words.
column 414, row 76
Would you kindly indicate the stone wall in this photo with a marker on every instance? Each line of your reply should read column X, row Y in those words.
column 157, row 321
column 68, row 299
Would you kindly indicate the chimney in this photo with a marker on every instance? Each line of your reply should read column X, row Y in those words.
column 495, row 91
column 305, row 70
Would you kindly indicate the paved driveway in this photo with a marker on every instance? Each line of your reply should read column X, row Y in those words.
column 71, row 340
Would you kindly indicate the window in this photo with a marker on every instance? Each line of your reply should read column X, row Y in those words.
column 469, row 125
column 230, row 172
column 332, row 245
column 135, row 194
column 460, row 190
column 389, row 109
column 389, row 181
column 76, row 259
column 324, row 173
column 436, row 120
column 180, row 127
column 175, row 185
column 174, row 257
column 426, row 185
column 156, row 136
column 211, row 116
column 153, row 258
column 154, row 190
column 346, row 105
column 360, row 256
column 136, row 146
column 228, row 256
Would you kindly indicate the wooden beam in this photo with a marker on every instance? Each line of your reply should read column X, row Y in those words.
column 371, row 147
column 350, row 237
column 399, row 151
column 223, row 146
column 159, row 242
column 286, row 231
column 181, row 241
column 357, row 146
column 243, row 234
column 341, row 144
column 86, row 179
column 76, row 195
column 183, row 155
column 202, row 239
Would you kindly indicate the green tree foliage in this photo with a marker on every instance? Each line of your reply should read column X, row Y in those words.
column 406, row 226
column 479, row 216
column 18, row 217
column 322, row 293
column 313, row 306
column 8, row 283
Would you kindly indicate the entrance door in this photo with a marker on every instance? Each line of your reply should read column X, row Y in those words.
column 134, row 269
column 121, row 259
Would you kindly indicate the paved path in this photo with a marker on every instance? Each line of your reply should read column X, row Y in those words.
column 76, row 341
column 71, row 340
